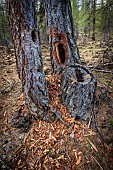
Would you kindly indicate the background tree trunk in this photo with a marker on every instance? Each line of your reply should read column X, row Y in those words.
column 28, row 54
column 93, row 13
column 63, row 48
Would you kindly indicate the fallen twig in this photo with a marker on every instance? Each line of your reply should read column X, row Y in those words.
column 11, row 86
column 7, row 80
column 94, row 147
column 97, row 162
column 104, row 71
column 100, row 65
column 97, row 128
column 90, row 120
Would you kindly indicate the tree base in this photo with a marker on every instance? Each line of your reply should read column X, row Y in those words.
column 78, row 87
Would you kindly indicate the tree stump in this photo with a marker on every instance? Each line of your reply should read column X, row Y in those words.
column 78, row 87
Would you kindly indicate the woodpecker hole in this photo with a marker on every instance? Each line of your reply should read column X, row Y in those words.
column 33, row 35
column 60, row 53
column 79, row 76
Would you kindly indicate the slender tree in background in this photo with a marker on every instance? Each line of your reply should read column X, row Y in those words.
column 104, row 21
column 23, row 22
column 75, row 12
column 63, row 48
column 5, row 35
column 93, row 18
column 41, row 20
column 108, row 19
column 84, row 21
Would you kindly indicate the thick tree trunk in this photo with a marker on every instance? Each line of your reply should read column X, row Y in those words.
column 28, row 55
column 63, row 48
column 78, row 90
column 77, row 83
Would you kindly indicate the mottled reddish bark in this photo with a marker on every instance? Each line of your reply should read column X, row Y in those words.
column 22, row 16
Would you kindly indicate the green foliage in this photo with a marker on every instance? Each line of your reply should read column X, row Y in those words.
column 4, row 24
column 75, row 12
column 111, row 122
column 83, row 16
column 104, row 16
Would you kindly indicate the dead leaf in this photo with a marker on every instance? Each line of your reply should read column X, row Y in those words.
column 87, row 76
column 73, row 80
column 70, row 120
column 76, row 127
column 21, row 96
column 61, row 157
column 79, row 160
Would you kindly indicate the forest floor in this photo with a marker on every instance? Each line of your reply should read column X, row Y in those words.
column 64, row 144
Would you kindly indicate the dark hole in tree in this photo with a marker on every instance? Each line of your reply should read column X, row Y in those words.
column 79, row 75
column 59, row 37
column 61, row 53
column 33, row 34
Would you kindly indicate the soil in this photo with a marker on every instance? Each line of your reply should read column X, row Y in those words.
column 65, row 143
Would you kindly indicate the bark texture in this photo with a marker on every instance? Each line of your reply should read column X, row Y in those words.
column 22, row 16
column 63, row 48
column 78, row 90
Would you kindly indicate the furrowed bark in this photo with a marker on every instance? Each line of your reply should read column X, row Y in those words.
column 63, row 48
column 77, row 83
column 22, row 16
column 78, row 87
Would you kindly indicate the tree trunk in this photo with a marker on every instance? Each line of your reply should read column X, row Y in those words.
column 108, row 21
column 77, row 83
column 78, row 87
column 63, row 48
column 94, row 11
column 22, row 16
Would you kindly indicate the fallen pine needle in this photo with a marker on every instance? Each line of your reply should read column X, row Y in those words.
column 97, row 162
column 94, row 147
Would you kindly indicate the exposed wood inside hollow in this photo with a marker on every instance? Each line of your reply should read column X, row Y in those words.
column 60, row 53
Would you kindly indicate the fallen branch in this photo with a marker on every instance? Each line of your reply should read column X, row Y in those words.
column 94, row 147
column 104, row 71
column 100, row 65
column 9, row 86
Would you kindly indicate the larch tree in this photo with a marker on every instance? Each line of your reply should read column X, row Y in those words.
column 23, row 23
